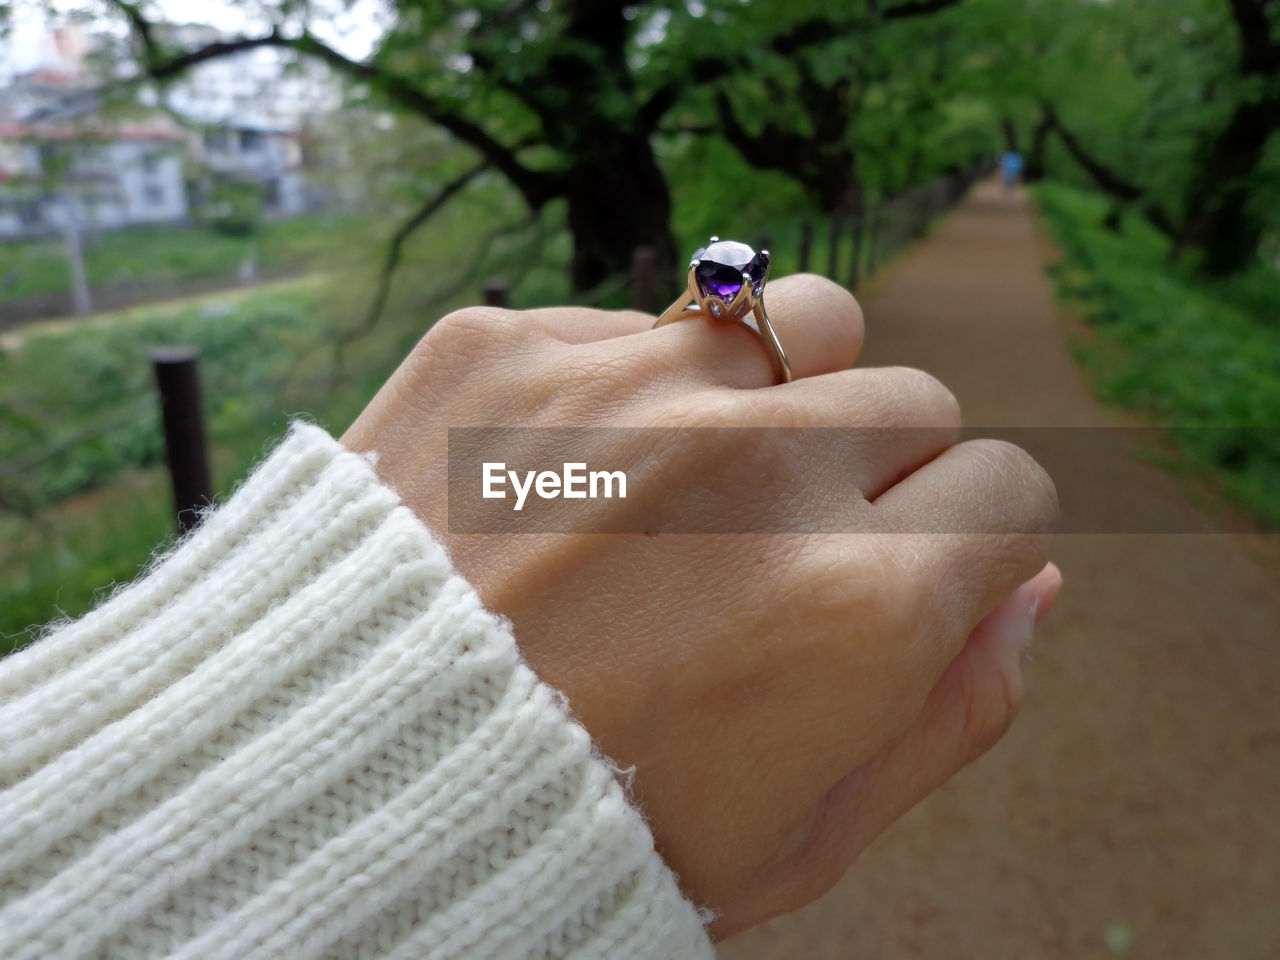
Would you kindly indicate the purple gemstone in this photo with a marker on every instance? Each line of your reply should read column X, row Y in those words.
column 721, row 266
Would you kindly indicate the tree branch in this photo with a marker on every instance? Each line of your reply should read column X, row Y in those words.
column 917, row 8
column 535, row 186
column 807, row 33
column 707, row 69
column 395, row 248
column 1102, row 175
column 1106, row 179
column 1259, row 54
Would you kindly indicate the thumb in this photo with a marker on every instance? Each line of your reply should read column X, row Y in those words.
column 968, row 710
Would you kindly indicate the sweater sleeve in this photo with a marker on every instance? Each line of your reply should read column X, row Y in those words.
column 300, row 734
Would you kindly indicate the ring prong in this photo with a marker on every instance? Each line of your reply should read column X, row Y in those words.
column 741, row 298
column 715, row 239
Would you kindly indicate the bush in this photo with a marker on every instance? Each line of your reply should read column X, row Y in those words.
column 231, row 208
column 1191, row 353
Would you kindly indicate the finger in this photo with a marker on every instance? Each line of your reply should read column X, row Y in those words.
column 966, row 713
column 897, row 420
column 576, row 325
column 970, row 525
column 818, row 323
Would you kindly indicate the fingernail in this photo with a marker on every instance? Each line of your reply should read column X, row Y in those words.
column 1044, row 601
column 1030, row 634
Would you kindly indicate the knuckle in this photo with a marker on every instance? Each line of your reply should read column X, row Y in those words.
column 930, row 395
column 1016, row 470
column 473, row 331
column 816, row 285
column 461, row 344
column 845, row 306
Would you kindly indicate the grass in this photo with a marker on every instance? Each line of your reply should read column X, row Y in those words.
column 89, row 497
column 164, row 256
column 79, row 407
column 1202, row 357
column 81, row 471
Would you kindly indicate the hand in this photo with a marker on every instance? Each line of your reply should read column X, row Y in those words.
column 783, row 697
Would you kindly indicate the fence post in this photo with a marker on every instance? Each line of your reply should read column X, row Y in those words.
column 855, row 255
column 806, row 245
column 184, row 440
column 496, row 294
column 873, row 234
column 833, row 249
column 644, row 267
column 65, row 219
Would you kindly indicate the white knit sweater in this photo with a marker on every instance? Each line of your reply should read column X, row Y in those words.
column 301, row 735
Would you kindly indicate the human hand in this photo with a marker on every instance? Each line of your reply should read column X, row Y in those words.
column 783, row 697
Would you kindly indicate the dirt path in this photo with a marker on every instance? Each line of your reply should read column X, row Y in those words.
column 1134, row 810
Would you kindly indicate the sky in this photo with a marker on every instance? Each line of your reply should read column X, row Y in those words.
column 353, row 30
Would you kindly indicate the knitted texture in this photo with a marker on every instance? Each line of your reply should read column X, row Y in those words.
column 301, row 735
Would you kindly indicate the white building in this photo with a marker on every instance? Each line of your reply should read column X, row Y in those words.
column 246, row 150
column 59, row 158
column 243, row 120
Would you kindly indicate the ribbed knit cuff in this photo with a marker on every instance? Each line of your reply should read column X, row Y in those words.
column 301, row 735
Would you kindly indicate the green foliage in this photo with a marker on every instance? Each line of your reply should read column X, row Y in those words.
column 231, row 207
column 1202, row 358
column 165, row 256
column 1147, row 87
column 61, row 567
column 83, row 391
column 709, row 181
column 89, row 400
column 87, row 395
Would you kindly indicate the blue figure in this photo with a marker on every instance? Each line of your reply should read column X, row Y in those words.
column 1011, row 168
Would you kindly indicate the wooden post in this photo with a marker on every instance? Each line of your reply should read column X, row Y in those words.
column 833, row 248
column 496, row 294
column 644, row 267
column 806, row 245
column 872, row 235
column 855, row 255
column 184, row 439
column 65, row 218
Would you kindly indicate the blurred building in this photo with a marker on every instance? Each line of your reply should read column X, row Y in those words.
column 233, row 126
column 106, row 177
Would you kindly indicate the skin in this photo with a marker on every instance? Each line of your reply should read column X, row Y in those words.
column 783, row 697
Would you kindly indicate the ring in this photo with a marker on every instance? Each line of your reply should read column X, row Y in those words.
column 726, row 282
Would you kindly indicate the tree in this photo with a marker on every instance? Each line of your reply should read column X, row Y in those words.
column 1220, row 218
column 562, row 99
column 807, row 117
column 1181, row 103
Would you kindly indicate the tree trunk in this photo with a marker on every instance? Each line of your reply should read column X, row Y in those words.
column 1035, row 169
column 1010, row 133
column 1220, row 219
column 617, row 195
column 618, row 201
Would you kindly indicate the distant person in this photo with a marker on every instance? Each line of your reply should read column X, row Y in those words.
column 1011, row 169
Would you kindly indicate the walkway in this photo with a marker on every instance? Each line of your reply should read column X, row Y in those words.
column 1134, row 809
